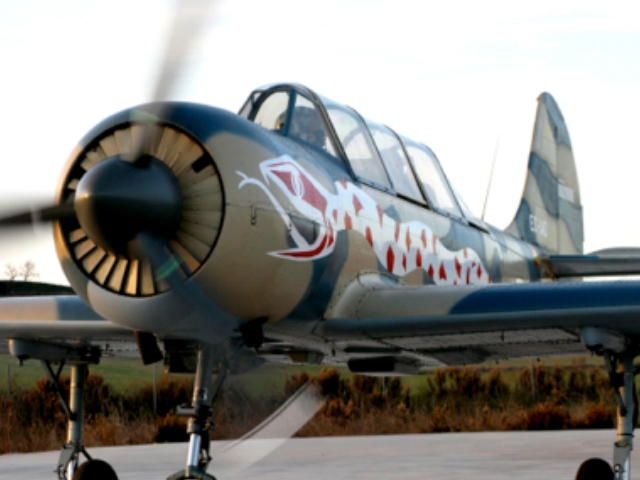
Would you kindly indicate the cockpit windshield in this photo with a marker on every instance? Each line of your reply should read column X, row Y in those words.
column 292, row 114
column 271, row 109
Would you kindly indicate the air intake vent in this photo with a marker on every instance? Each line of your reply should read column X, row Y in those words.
column 201, row 217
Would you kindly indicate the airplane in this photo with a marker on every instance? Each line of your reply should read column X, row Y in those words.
column 220, row 241
column 298, row 227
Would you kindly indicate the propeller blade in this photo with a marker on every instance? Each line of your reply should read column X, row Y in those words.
column 39, row 215
column 273, row 432
column 167, row 266
column 188, row 24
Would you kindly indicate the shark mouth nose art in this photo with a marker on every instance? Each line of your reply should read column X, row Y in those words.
column 399, row 247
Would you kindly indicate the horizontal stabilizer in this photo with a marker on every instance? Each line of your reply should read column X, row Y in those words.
column 609, row 262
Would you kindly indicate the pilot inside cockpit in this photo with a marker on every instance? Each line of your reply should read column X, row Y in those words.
column 305, row 125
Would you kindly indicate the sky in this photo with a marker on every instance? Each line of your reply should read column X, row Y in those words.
column 462, row 77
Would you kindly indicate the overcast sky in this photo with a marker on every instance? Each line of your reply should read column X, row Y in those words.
column 457, row 76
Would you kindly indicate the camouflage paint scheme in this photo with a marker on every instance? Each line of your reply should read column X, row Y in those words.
column 289, row 250
column 550, row 215
column 282, row 236
column 299, row 242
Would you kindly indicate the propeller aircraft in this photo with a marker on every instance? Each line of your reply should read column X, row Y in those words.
column 220, row 241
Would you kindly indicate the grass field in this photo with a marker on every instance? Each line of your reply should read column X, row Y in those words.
column 126, row 374
column 130, row 374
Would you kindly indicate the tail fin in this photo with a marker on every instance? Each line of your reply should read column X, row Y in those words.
column 550, row 212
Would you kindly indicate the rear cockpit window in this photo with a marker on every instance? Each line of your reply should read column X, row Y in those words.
column 432, row 178
column 357, row 144
column 396, row 161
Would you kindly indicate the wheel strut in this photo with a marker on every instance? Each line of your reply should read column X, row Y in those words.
column 200, row 417
column 622, row 374
column 70, row 453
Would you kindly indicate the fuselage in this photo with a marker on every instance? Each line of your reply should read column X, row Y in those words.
column 280, row 227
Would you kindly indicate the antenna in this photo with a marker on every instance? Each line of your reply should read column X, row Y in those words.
column 493, row 165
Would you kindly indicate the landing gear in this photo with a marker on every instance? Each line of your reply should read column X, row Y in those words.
column 78, row 357
column 70, row 453
column 618, row 355
column 200, row 417
column 623, row 381
column 69, row 459
column 594, row 469
column 95, row 470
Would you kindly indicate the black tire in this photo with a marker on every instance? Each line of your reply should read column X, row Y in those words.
column 593, row 469
column 95, row 470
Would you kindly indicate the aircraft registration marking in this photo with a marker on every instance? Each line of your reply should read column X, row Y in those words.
column 538, row 226
column 400, row 247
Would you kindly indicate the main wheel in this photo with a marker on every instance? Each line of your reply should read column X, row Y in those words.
column 594, row 469
column 95, row 470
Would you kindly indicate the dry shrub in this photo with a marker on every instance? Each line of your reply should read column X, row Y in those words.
column 114, row 430
column 171, row 393
column 437, row 384
column 439, row 419
column 577, row 382
column 468, row 383
column 451, row 399
column 338, row 408
column 293, row 383
column 33, row 420
column 330, row 382
column 171, row 428
column 544, row 416
column 394, row 390
column 495, row 387
column 365, row 385
column 599, row 415
column 99, row 396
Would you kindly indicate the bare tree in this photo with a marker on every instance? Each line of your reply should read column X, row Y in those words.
column 11, row 271
column 28, row 271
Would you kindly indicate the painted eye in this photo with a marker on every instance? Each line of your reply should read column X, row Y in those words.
column 298, row 186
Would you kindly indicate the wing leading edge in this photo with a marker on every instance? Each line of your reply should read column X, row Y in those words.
column 57, row 318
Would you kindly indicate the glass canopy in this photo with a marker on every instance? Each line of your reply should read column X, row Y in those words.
column 375, row 153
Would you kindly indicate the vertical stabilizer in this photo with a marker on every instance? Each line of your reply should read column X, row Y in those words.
column 550, row 212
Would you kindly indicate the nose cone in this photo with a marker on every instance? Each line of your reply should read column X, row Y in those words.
column 116, row 200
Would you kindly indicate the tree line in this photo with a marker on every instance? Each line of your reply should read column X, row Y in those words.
column 27, row 271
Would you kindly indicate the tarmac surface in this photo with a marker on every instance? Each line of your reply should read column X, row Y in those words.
column 492, row 455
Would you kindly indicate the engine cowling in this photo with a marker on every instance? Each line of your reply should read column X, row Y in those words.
column 222, row 240
column 124, row 272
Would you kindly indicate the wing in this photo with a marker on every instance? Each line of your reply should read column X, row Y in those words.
column 61, row 319
column 459, row 325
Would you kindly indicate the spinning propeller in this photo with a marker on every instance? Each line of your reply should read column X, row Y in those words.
column 140, row 210
column 134, row 197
